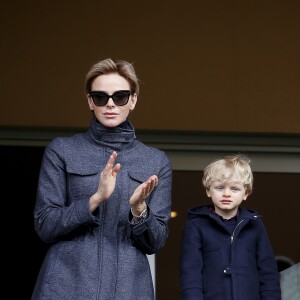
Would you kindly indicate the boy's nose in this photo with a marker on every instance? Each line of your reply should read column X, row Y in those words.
column 227, row 192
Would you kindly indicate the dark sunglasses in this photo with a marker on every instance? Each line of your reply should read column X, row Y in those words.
column 120, row 98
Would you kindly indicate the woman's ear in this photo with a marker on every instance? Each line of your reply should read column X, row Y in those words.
column 133, row 101
column 90, row 102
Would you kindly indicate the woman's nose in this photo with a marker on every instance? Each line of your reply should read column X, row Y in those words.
column 110, row 102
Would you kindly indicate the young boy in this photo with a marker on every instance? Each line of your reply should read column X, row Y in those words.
column 225, row 249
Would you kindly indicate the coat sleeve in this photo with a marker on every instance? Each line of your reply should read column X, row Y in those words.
column 54, row 217
column 149, row 235
column 191, row 263
column 267, row 268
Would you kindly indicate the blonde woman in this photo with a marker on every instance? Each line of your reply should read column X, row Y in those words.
column 103, row 200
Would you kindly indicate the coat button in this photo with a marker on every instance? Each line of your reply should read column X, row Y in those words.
column 227, row 271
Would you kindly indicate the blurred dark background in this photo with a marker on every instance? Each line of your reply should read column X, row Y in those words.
column 216, row 77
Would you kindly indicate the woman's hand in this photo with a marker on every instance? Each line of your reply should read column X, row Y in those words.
column 141, row 193
column 107, row 182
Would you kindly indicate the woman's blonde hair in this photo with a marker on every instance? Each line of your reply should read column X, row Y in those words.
column 230, row 167
column 108, row 66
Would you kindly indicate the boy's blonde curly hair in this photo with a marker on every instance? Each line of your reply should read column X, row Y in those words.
column 235, row 167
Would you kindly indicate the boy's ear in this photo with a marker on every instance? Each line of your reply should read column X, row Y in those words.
column 208, row 193
column 245, row 197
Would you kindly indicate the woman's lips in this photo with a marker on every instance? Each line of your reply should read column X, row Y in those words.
column 110, row 114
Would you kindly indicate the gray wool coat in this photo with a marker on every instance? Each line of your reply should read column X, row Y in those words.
column 100, row 255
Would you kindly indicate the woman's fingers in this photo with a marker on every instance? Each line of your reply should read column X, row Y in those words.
column 143, row 191
column 116, row 169
column 151, row 183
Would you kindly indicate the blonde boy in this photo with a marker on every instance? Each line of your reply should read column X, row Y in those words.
column 225, row 250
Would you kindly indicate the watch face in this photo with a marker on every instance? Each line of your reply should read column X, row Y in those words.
column 143, row 214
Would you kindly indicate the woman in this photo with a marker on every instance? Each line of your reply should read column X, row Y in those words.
column 103, row 200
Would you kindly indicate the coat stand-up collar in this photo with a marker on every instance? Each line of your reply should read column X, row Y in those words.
column 116, row 138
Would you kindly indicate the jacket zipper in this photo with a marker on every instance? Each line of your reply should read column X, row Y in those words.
column 232, row 236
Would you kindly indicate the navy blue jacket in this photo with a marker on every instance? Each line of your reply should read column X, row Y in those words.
column 217, row 263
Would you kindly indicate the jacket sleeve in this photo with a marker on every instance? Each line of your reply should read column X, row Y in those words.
column 150, row 234
column 191, row 263
column 267, row 268
column 54, row 217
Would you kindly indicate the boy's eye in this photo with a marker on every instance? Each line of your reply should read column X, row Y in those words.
column 236, row 189
column 219, row 188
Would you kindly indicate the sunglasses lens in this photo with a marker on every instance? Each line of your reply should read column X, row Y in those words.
column 99, row 98
column 121, row 97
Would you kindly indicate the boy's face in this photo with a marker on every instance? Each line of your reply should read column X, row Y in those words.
column 227, row 196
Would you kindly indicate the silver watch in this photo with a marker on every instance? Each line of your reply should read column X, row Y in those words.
column 142, row 215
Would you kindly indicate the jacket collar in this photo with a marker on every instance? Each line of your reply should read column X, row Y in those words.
column 207, row 210
column 116, row 138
